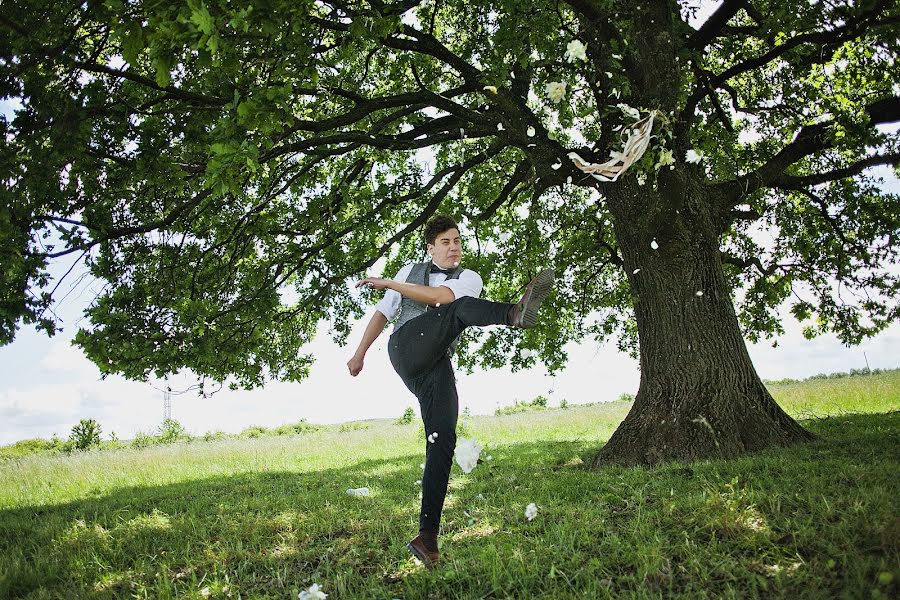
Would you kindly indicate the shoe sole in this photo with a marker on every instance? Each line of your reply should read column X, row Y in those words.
column 542, row 287
column 425, row 560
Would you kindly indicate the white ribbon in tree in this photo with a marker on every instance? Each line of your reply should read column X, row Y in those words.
column 635, row 146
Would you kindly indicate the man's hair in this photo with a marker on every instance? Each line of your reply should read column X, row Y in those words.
column 437, row 225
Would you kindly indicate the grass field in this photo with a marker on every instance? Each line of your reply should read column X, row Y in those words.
column 268, row 517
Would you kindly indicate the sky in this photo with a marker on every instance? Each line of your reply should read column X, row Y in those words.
column 47, row 386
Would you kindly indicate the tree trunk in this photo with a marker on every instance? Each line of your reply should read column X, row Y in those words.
column 700, row 396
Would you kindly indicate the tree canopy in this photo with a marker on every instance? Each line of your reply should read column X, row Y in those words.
column 225, row 167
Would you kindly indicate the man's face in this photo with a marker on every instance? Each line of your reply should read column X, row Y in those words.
column 446, row 251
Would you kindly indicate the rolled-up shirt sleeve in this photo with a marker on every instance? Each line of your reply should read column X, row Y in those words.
column 468, row 283
column 389, row 306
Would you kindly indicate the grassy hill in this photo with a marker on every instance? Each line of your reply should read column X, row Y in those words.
column 269, row 516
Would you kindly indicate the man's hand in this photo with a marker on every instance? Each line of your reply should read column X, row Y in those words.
column 374, row 283
column 355, row 365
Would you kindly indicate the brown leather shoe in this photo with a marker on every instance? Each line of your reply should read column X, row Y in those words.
column 524, row 314
column 417, row 547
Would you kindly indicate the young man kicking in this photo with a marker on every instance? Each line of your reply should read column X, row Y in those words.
column 436, row 301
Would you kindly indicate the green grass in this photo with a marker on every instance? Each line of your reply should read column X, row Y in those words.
column 269, row 516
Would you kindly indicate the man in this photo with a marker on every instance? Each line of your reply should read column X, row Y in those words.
column 436, row 301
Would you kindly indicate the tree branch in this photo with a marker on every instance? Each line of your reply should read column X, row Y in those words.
column 809, row 140
column 743, row 263
column 715, row 24
column 793, row 182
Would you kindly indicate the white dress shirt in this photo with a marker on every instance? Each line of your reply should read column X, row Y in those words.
column 469, row 283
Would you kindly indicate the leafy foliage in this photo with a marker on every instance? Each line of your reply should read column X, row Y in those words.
column 171, row 431
column 85, row 435
column 226, row 169
column 407, row 417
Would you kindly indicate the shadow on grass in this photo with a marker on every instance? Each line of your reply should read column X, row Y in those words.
column 609, row 531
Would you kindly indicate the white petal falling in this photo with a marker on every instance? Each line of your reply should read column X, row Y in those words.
column 530, row 131
column 654, row 245
column 499, row 126
column 556, row 166
column 569, row 179
column 699, row 293
column 636, row 271
column 490, row 88
column 635, row 146
column 467, row 453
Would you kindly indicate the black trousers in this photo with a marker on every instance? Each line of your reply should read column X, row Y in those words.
column 418, row 352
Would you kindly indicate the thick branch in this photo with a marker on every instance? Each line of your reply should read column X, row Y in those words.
column 715, row 24
column 792, row 182
column 810, row 139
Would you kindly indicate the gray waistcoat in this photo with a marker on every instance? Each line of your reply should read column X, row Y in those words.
column 409, row 308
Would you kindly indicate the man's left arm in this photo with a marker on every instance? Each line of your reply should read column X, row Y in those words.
column 420, row 293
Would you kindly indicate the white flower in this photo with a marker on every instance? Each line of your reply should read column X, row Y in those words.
column 313, row 593
column 205, row 592
column 499, row 126
column 693, row 156
column 555, row 90
column 641, row 178
column 629, row 110
column 556, row 165
column 653, row 244
column 530, row 131
column 575, row 50
column 666, row 158
column 530, row 511
column 699, row 293
column 490, row 88
column 467, row 452
column 617, row 56
column 363, row 491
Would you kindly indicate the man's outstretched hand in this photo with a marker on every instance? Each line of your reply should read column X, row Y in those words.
column 355, row 365
column 374, row 283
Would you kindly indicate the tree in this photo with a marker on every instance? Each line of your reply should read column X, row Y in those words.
column 226, row 168
column 85, row 435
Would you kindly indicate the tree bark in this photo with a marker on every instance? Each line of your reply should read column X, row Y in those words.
column 700, row 396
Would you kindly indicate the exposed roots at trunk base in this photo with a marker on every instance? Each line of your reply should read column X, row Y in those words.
column 653, row 433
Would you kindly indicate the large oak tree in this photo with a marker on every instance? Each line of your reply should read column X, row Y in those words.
column 225, row 167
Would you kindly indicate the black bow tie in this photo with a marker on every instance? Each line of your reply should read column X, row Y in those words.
column 437, row 269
